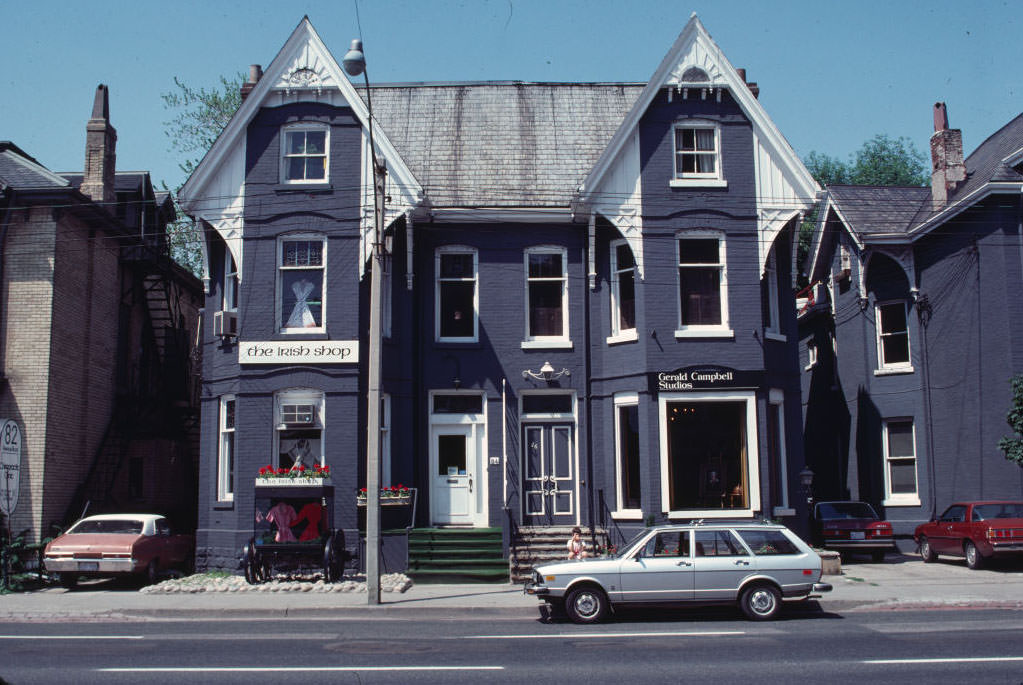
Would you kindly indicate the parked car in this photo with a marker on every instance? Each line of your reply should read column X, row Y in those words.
column 754, row 564
column 847, row 526
column 116, row 545
column 974, row 530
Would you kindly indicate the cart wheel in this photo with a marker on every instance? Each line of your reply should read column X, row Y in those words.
column 254, row 573
column 334, row 557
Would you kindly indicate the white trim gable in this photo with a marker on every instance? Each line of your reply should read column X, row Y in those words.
column 620, row 197
column 303, row 71
column 783, row 184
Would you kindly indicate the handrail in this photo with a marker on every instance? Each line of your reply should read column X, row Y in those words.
column 605, row 517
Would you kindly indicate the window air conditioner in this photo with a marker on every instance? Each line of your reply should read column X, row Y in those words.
column 225, row 324
column 298, row 414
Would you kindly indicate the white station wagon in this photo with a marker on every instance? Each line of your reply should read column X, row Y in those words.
column 755, row 565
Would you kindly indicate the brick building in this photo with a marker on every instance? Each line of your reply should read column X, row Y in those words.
column 96, row 336
column 587, row 319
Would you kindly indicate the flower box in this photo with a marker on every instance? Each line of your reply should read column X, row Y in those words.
column 290, row 482
column 387, row 501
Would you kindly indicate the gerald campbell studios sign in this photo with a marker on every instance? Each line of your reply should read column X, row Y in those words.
column 704, row 378
column 299, row 352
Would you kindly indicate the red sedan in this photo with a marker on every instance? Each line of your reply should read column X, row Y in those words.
column 974, row 530
column 118, row 544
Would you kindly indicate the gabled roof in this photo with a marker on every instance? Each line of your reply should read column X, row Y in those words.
column 694, row 47
column 501, row 144
column 303, row 65
column 20, row 171
column 879, row 210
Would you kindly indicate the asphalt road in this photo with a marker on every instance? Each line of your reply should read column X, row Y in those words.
column 642, row 647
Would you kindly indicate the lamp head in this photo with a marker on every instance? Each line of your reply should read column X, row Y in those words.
column 806, row 477
column 354, row 61
column 547, row 371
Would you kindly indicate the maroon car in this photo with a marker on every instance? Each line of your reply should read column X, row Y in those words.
column 118, row 544
column 848, row 526
column 974, row 530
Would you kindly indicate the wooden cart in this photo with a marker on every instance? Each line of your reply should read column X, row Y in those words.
column 294, row 531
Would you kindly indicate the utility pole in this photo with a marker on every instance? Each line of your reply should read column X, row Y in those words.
column 354, row 63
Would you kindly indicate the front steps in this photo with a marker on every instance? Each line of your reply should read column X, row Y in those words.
column 534, row 546
column 456, row 555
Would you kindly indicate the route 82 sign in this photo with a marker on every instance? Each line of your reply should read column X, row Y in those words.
column 10, row 465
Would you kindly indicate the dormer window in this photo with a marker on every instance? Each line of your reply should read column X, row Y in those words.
column 304, row 154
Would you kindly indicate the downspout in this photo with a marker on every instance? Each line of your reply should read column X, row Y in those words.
column 504, row 443
column 923, row 311
column 3, row 243
column 587, row 361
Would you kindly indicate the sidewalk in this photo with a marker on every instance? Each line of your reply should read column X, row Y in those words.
column 899, row 583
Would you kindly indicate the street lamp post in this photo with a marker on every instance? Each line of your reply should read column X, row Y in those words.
column 354, row 63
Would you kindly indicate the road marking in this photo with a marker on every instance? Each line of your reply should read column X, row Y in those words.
column 72, row 637
column 296, row 669
column 962, row 660
column 599, row 635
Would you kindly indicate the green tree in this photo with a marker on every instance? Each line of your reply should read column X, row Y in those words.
column 880, row 161
column 199, row 117
column 1013, row 447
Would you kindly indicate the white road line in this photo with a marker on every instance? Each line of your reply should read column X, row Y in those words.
column 599, row 635
column 73, row 637
column 961, row 660
column 296, row 669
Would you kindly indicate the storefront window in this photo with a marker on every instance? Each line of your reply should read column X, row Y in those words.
column 707, row 464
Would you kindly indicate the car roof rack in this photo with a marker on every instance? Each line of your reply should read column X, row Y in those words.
column 758, row 520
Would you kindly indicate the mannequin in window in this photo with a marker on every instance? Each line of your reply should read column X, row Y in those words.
column 301, row 315
column 299, row 453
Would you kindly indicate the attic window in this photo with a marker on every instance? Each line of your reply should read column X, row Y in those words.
column 304, row 154
column 695, row 75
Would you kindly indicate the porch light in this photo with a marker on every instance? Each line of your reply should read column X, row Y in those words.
column 546, row 373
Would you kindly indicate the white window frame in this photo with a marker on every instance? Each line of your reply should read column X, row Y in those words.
column 294, row 128
column 772, row 328
column 901, row 499
column 681, row 179
column 722, row 330
column 299, row 396
column 776, row 404
column 301, row 237
column 230, row 289
column 547, row 341
column 438, row 281
column 619, row 334
column 897, row 367
column 749, row 398
column 622, row 399
column 227, row 449
column 811, row 355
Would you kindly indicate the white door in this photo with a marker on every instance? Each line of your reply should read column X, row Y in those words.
column 453, row 458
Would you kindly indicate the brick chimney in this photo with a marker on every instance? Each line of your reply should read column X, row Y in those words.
column 752, row 85
column 255, row 73
column 100, row 155
column 947, row 168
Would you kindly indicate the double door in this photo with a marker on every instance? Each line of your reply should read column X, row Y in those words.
column 550, row 486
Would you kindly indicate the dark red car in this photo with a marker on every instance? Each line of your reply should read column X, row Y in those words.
column 847, row 526
column 974, row 530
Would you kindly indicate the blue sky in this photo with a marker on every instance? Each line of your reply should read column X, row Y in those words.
column 831, row 74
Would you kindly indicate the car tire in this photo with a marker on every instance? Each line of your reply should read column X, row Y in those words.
column 973, row 558
column 760, row 602
column 68, row 580
column 152, row 573
column 926, row 551
column 877, row 557
column 587, row 604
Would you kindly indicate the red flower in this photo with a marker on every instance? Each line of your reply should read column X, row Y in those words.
column 281, row 471
column 301, row 469
column 262, row 471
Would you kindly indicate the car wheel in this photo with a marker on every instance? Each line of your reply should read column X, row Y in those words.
column 152, row 573
column 760, row 602
column 877, row 557
column 586, row 605
column 973, row 558
column 926, row 551
column 68, row 580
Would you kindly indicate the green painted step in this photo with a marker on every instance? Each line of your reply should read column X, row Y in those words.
column 456, row 555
